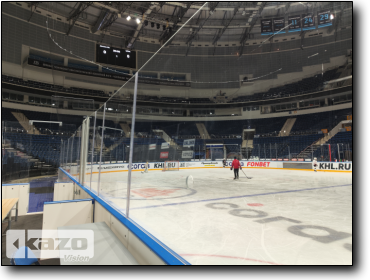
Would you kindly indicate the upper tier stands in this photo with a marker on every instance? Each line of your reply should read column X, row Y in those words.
column 307, row 85
column 304, row 86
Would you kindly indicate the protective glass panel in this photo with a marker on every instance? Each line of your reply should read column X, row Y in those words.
column 17, row 161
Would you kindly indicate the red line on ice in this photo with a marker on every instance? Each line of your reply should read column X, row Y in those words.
column 254, row 204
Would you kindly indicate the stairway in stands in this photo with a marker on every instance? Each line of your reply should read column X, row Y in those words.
column 287, row 127
column 306, row 153
column 126, row 129
column 202, row 131
column 25, row 122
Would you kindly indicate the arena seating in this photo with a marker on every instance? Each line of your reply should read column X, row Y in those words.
column 318, row 121
column 280, row 144
column 306, row 85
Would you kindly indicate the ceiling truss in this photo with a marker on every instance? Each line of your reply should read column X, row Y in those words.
column 252, row 21
column 75, row 15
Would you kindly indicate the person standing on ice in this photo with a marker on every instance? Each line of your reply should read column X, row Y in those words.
column 314, row 162
column 236, row 165
column 224, row 162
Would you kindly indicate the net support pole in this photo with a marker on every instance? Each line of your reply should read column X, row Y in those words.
column 338, row 152
column 101, row 146
column 92, row 148
column 131, row 146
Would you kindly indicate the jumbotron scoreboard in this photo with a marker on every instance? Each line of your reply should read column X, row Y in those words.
column 302, row 22
column 115, row 56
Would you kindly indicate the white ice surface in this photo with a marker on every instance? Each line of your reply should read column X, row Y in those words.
column 181, row 219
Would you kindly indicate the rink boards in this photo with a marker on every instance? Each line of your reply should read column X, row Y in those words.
column 158, row 166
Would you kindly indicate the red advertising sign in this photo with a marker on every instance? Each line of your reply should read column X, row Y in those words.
column 163, row 155
column 258, row 164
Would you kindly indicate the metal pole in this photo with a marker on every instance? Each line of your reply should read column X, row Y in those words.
column 131, row 146
column 67, row 152
column 70, row 166
column 338, row 151
column 289, row 152
column 311, row 153
column 92, row 149
column 276, row 151
column 101, row 146
column 270, row 151
column 259, row 152
column 60, row 153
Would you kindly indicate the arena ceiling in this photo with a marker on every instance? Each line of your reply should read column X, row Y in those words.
column 215, row 22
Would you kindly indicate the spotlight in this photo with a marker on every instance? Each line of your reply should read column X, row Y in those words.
column 138, row 20
column 331, row 16
column 152, row 24
column 128, row 56
column 158, row 25
column 128, row 17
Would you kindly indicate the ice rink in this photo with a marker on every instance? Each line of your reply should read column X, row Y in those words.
column 279, row 217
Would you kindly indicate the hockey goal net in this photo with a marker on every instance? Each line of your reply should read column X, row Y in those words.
column 173, row 165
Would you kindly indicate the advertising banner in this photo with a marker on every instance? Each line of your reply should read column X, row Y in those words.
column 187, row 154
column 340, row 166
column 163, row 155
column 165, row 145
column 152, row 147
column 189, row 143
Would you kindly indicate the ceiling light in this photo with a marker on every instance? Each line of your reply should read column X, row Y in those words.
column 331, row 16
column 138, row 20
column 128, row 17
column 128, row 56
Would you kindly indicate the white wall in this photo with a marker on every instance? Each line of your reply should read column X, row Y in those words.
column 21, row 191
